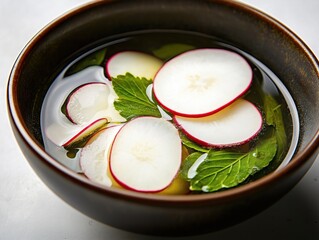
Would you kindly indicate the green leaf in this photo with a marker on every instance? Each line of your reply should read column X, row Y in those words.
column 225, row 169
column 273, row 116
column 170, row 50
column 132, row 99
column 94, row 59
column 190, row 144
column 188, row 163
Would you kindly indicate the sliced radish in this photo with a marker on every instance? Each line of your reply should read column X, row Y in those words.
column 90, row 102
column 85, row 132
column 234, row 125
column 137, row 63
column 203, row 81
column 146, row 154
column 87, row 102
column 95, row 154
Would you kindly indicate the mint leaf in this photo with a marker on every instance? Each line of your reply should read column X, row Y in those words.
column 190, row 144
column 273, row 117
column 225, row 169
column 170, row 50
column 94, row 59
column 132, row 99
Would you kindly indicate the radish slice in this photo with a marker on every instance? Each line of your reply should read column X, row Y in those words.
column 95, row 154
column 137, row 63
column 149, row 93
column 146, row 154
column 90, row 102
column 203, row 81
column 85, row 132
column 234, row 125
column 87, row 102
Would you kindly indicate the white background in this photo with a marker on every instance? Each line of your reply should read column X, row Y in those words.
column 29, row 210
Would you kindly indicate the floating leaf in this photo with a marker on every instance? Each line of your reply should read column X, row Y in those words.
column 190, row 144
column 132, row 98
column 94, row 59
column 170, row 50
column 225, row 169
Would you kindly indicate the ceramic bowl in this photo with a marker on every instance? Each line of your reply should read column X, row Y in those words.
column 238, row 24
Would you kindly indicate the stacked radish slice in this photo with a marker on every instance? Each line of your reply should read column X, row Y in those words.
column 234, row 125
column 200, row 82
column 200, row 89
column 90, row 107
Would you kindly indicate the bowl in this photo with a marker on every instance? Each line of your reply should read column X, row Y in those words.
column 238, row 24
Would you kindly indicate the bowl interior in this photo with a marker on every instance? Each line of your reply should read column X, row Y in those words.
column 237, row 24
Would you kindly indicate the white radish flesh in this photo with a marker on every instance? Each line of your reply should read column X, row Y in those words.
column 203, row 81
column 137, row 63
column 86, row 132
column 87, row 103
column 92, row 101
column 146, row 154
column 95, row 155
column 234, row 125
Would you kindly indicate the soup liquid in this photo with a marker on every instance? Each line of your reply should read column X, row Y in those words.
column 164, row 45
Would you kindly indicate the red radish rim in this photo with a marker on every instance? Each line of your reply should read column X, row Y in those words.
column 125, row 185
column 109, row 77
column 82, row 130
column 67, row 100
column 220, row 146
column 215, row 110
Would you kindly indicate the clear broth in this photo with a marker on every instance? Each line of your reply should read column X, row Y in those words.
column 151, row 42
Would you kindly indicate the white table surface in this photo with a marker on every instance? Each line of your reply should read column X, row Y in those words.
column 29, row 210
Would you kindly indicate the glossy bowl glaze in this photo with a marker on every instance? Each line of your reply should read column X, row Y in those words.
column 238, row 24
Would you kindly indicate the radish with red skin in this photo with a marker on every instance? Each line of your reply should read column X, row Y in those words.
column 94, row 155
column 146, row 154
column 87, row 102
column 201, row 82
column 92, row 101
column 86, row 132
column 234, row 125
column 137, row 63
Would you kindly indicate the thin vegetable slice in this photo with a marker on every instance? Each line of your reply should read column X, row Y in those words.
column 234, row 125
column 202, row 81
column 95, row 155
column 137, row 63
column 146, row 154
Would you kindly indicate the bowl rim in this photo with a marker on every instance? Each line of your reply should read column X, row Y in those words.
column 12, row 106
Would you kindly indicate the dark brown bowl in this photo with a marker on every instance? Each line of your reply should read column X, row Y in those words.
column 240, row 25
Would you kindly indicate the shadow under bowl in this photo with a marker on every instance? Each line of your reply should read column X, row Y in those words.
column 238, row 24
